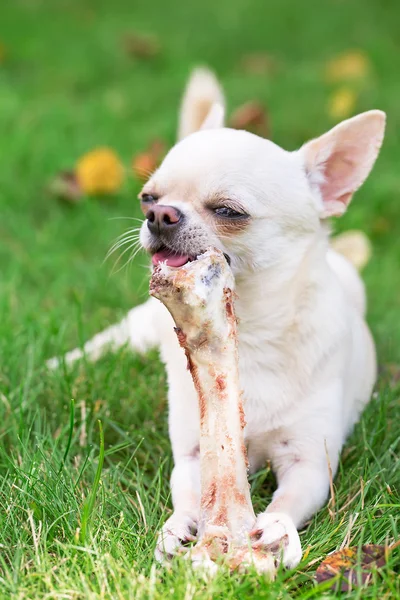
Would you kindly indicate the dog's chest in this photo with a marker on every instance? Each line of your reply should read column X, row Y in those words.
column 270, row 384
column 270, row 376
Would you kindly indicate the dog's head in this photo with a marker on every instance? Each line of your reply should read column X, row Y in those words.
column 244, row 194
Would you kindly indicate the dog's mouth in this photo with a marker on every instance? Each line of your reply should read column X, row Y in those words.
column 171, row 258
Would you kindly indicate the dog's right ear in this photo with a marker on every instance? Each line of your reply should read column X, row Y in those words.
column 203, row 104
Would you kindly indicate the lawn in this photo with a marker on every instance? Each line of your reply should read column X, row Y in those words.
column 67, row 85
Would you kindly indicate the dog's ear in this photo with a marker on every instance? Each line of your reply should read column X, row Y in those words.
column 338, row 162
column 202, row 105
column 215, row 118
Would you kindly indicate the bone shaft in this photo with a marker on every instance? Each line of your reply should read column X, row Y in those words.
column 225, row 489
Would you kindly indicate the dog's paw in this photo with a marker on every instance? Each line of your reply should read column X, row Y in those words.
column 176, row 532
column 276, row 533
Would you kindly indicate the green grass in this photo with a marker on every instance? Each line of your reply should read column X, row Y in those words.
column 66, row 86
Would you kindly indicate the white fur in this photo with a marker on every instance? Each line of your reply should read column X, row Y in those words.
column 307, row 359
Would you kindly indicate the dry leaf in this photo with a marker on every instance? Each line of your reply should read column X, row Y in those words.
column 66, row 187
column 100, row 172
column 145, row 163
column 348, row 565
column 355, row 246
column 350, row 66
column 259, row 63
column 381, row 225
column 393, row 371
column 251, row 116
column 142, row 46
column 342, row 103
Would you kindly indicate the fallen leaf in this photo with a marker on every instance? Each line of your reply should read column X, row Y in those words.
column 158, row 148
column 251, row 116
column 145, row 163
column 348, row 567
column 100, row 172
column 350, row 66
column 393, row 371
column 66, row 187
column 142, row 46
column 381, row 225
column 355, row 246
column 259, row 63
column 342, row 103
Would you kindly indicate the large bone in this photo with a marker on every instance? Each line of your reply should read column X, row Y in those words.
column 199, row 296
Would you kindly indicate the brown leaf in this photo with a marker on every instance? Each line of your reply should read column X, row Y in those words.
column 65, row 186
column 142, row 46
column 259, row 63
column 347, row 567
column 251, row 116
column 145, row 163
column 381, row 225
column 393, row 371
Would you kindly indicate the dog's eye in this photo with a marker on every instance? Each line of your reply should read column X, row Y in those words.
column 228, row 213
column 148, row 198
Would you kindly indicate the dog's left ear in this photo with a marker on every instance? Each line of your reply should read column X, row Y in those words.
column 338, row 162
column 202, row 104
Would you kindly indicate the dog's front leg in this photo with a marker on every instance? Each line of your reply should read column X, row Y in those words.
column 139, row 328
column 304, row 457
column 181, row 527
column 184, row 433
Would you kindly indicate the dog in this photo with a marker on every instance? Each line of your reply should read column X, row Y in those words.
column 306, row 357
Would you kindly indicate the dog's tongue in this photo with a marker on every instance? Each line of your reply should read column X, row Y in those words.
column 172, row 259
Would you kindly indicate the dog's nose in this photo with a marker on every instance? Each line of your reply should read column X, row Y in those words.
column 163, row 219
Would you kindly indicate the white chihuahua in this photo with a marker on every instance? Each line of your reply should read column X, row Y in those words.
column 307, row 359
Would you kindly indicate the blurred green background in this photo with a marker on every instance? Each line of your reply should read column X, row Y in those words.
column 69, row 83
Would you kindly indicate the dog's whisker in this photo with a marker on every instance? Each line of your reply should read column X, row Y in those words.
column 133, row 236
column 116, row 247
column 129, row 232
column 136, row 250
column 132, row 240
column 134, row 254
column 129, row 235
column 126, row 218
column 113, row 270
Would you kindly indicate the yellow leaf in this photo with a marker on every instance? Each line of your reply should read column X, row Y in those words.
column 100, row 172
column 342, row 103
column 352, row 65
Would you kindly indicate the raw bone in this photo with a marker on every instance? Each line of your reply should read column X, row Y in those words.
column 199, row 296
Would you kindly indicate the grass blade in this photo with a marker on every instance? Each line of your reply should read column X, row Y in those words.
column 71, row 429
column 90, row 500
